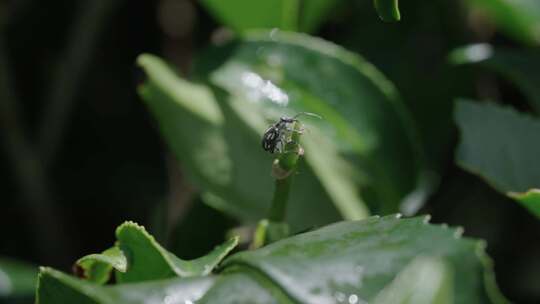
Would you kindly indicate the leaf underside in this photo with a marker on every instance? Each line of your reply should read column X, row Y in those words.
column 500, row 145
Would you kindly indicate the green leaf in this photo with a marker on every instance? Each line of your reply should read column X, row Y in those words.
column 354, row 148
column 359, row 259
column 241, row 288
column 224, row 158
column 98, row 267
column 162, row 78
column 195, row 134
column 520, row 67
column 519, row 19
column 142, row 250
column 425, row 280
column 379, row 260
column 58, row 288
column 17, row 279
column 388, row 10
column 55, row 287
column 243, row 15
column 365, row 123
column 529, row 199
column 500, row 145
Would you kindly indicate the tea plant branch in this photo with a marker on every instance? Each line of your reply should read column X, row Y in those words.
column 283, row 169
column 74, row 64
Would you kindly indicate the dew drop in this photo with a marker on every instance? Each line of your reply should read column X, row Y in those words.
column 478, row 52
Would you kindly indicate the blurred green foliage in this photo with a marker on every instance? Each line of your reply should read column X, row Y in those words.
column 17, row 280
column 386, row 143
column 518, row 19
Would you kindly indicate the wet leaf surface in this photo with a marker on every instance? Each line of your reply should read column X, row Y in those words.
column 360, row 258
column 347, row 262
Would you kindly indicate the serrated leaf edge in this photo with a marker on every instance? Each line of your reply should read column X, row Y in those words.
column 489, row 281
column 168, row 256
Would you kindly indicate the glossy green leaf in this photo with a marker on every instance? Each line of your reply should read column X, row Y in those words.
column 195, row 134
column 360, row 259
column 142, row 250
column 520, row 67
column 242, row 15
column 517, row 18
column 236, row 288
column 55, row 287
column 500, row 145
column 98, row 267
column 425, row 280
column 17, row 279
column 377, row 260
column 222, row 157
column 245, row 14
column 161, row 77
column 388, row 10
column 241, row 288
column 268, row 75
column 529, row 199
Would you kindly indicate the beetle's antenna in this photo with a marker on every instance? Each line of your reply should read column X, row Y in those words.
column 308, row 114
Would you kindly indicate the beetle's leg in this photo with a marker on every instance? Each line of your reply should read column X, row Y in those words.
column 282, row 142
column 281, row 146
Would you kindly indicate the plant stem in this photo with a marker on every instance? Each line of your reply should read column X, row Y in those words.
column 279, row 203
column 283, row 170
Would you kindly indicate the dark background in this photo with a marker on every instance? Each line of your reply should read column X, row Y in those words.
column 106, row 162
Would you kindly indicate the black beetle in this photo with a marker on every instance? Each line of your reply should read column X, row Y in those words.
column 274, row 137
